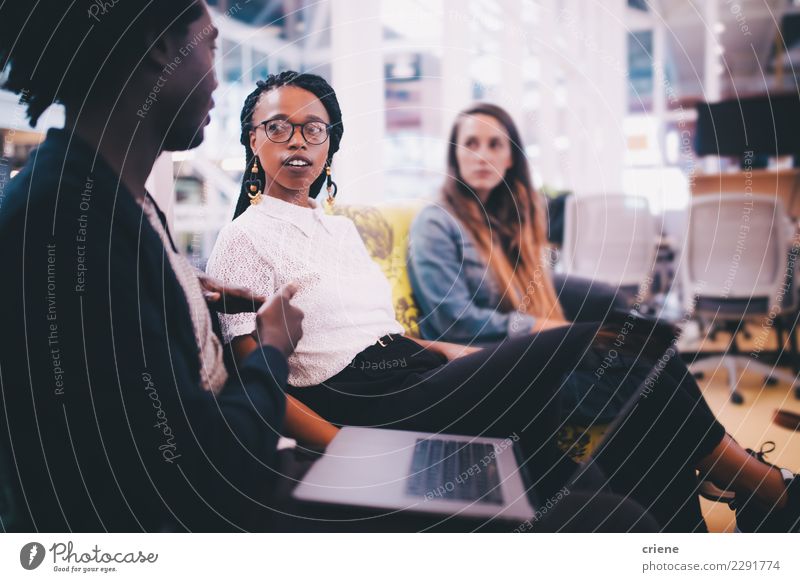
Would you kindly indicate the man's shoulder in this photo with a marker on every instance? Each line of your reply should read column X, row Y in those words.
column 51, row 180
column 27, row 201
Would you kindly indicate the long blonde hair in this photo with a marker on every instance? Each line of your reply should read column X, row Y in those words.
column 510, row 229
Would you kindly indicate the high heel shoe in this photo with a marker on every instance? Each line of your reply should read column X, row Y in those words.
column 753, row 515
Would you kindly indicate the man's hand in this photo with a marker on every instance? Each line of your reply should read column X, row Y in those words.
column 228, row 298
column 279, row 323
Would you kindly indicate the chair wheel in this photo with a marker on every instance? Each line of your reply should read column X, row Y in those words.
column 737, row 398
column 770, row 381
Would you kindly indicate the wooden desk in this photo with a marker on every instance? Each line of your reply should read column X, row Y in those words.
column 783, row 183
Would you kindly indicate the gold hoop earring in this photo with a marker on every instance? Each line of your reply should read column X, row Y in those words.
column 331, row 187
column 253, row 184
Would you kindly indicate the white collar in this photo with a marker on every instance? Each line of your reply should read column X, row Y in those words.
column 299, row 216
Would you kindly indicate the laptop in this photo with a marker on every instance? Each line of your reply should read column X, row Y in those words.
column 422, row 472
column 445, row 474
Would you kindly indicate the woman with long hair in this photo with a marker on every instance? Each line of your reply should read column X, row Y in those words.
column 477, row 257
column 354, row 366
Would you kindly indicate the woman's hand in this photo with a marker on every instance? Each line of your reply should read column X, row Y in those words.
column 455, row 351
column 446, row 349
column 228, row 298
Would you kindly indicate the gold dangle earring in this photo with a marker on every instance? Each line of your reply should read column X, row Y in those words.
column 253, row 184
column 332, row 188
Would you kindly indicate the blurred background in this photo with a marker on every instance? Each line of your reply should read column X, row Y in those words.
column 604, row 93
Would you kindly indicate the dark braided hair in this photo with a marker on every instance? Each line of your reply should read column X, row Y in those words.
column 53, row 51
column 311, row 83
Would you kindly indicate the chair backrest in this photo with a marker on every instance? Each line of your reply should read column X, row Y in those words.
column 609, row 238
column 384, row 230
column 737, row 247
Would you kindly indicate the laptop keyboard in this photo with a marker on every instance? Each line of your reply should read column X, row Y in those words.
column 456, row 470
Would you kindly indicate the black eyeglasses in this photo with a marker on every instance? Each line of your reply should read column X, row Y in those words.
column 281, row 131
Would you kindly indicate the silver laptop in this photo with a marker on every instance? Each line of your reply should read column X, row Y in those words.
column 422, row 472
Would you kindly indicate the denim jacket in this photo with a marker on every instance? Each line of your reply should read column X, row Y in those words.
column 456, row 291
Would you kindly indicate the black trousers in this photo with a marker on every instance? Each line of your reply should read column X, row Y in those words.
column 585, row 299
column 513, row 388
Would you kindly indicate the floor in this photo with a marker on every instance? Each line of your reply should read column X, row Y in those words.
column 749, row 423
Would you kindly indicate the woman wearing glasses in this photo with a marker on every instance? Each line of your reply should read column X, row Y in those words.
column 353, row 366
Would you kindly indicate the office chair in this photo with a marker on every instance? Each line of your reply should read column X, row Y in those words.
column 611, row 239
column 737, row 268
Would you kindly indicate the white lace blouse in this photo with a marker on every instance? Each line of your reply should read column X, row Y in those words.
column 343, row 293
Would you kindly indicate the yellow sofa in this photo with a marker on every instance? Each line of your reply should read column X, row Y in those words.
column 384, row 229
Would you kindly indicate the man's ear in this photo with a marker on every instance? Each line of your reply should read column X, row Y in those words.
column 162, row 47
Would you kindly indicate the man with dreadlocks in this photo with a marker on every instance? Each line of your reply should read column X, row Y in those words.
column 119, row 414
